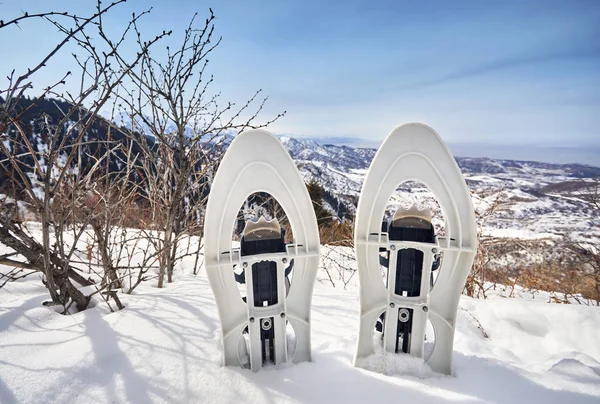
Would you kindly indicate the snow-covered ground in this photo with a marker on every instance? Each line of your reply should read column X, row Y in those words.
column 165, row 347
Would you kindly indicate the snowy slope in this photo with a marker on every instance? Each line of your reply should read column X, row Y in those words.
column 164, row 347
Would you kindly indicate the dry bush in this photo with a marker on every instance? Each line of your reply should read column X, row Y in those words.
column 560, row 273
column 170, row 99
column 52, row 178
column 527, row 267
column 338, row 258
column 476, row 283
column 120, row 223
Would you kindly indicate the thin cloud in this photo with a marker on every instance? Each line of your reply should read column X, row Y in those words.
column 531, row 58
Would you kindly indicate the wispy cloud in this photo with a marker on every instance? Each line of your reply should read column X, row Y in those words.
column 530, row 58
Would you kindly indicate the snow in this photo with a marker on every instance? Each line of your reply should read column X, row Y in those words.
column 522, row 234
column 482, row 178
column 165, row 347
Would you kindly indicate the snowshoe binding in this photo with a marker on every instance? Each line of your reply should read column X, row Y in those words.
column 264, row 237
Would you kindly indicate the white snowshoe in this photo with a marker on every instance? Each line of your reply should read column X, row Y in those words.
column 257, row 162
column 401, row 307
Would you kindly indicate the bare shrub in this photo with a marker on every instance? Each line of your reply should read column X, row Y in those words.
column 475, row 286
column 57, row 176
column 169, row 98
column 338, row 258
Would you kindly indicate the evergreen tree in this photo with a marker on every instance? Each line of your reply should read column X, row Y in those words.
column 315, row 190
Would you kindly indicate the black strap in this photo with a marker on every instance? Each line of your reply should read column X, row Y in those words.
column 289, row 268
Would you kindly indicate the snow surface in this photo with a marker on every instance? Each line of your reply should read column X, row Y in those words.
column 165, row 347
column 521, row 234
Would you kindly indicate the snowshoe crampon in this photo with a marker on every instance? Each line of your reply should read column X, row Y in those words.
column 408, row 247
column 257, row 162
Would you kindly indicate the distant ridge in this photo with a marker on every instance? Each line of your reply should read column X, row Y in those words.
column 576, row 154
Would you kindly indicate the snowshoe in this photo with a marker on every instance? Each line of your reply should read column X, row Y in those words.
column 408, row 249
column 257, row 162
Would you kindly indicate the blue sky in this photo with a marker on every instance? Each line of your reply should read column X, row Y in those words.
column 506, row 72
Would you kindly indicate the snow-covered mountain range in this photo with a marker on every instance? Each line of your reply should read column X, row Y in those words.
column 535, row 199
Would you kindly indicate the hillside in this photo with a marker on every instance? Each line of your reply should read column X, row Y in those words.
column 39, row 120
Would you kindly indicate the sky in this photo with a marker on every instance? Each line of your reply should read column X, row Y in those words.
column 479, row 72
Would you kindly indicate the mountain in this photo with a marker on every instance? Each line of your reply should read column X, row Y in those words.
column 536, row 199
column 38, row 120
